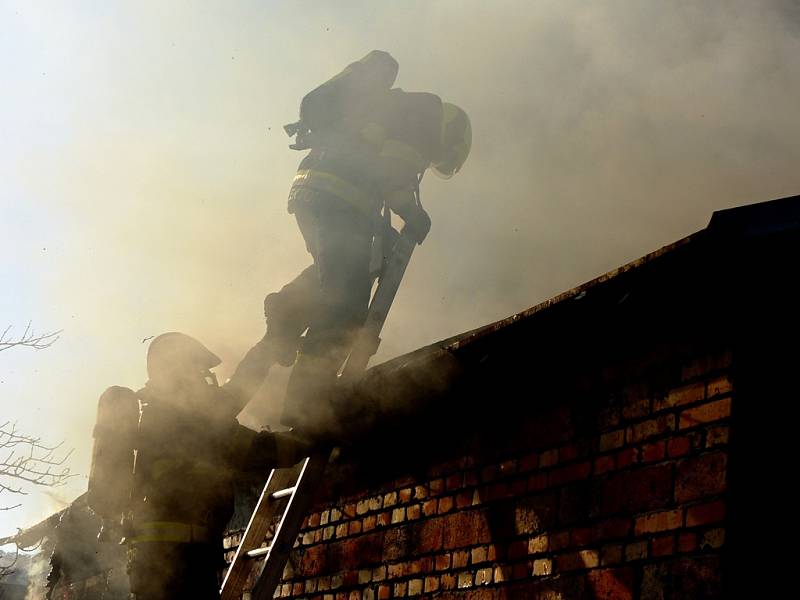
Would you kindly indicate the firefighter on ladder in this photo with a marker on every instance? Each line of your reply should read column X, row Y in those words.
column 370, row 145
column 189, row 448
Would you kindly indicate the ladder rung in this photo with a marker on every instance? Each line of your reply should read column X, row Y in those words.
column 258, row 552
column 283, row 493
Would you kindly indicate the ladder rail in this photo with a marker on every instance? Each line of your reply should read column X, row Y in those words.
column 258, row 526
column 286, row 534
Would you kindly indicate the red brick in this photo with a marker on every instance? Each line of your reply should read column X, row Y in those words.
column 517, row 549
column 612, row 528
column 421, row 565
column 369, row 522
column 497, row 491
column 609, row 494
column 636, row 551
column 626, row 458
column 653, row 452
column 537, row 481
column 611, row 584
column 706, row 413
column 314, row 561
column 713, row 539
column 612, row 440
column 384, row 518
column 542, row 566
column 397, row 570
column 687, row 542
column 442, row 562
column 678, row 446
column 583, row 559
column 479, row 555
column 568, row 452
column 603, row 464
column 701, row 476
column 428, row 535
column 436, row 486
column 471, row 478
column 648, row 488
column 635, row 402
column 384, row 592
column 454, row 481
column 445, row 504
column 404, row 495
column 529, row 461
column 703, row 514
column 548, row 458
column 716, row 436
column 516, row 488
column 460, row 559
column 559, row 541
column 582, row 536
column 508, row 467
column 298, row 588
column 466, row 529
column 538, row 544
column 703, row 365
column 611, row 554
column 569, row 474
column 494, row 552
column 608, row 417
column 663, row 546
column 694, row 392
column 488, row 473
column 718, row 386
column 660, row 521
column 429, row 507
column 520, row 570
column 448, row 581
column 354, row 528
column 534, row 513
column 652, row 428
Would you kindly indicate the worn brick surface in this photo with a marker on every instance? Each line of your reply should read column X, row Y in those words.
column 623, row 500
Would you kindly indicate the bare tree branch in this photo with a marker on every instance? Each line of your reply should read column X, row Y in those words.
column 28, row 339
column 25, row 458
column 8, row 568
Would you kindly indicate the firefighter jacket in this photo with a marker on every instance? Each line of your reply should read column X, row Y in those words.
column 367, row 141
column 189, row 452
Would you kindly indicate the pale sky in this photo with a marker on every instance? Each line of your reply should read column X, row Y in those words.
column 144, row 170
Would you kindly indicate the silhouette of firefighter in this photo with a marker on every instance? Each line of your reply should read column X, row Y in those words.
column 166, row 458
column 369, row 146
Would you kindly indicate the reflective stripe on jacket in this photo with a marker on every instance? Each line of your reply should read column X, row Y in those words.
column 172, row 531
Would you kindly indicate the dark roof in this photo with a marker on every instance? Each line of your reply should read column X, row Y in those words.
column 663, row 282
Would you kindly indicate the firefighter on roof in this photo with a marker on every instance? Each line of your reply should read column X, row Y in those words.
column 189, row 448
column 369, row 146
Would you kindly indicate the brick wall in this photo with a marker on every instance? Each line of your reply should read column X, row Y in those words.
column 616, row 492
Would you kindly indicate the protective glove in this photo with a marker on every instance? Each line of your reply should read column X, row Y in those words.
column 404, row 204
column 418, row 223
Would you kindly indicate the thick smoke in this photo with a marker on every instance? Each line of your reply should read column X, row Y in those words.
column 145, row 170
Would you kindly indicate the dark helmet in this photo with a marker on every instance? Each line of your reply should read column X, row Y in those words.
column 178, row 357
column 456, row 140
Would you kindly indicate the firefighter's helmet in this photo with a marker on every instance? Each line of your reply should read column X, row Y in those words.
column 456, row 141
column 177, row 356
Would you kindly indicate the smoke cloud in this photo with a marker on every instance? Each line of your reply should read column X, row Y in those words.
column 145, row 170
